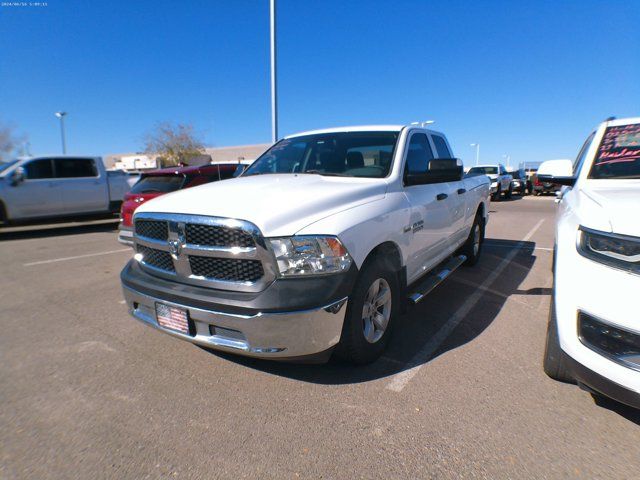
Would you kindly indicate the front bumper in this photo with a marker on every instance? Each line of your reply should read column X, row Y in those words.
column 125, row 236
column 279, row 335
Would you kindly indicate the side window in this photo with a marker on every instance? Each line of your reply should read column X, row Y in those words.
column 39, row 169
column 418, row 155
column 577, row 164
column 75, row 167
column 441, row 147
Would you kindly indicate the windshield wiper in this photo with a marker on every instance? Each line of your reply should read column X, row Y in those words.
column 325, row 174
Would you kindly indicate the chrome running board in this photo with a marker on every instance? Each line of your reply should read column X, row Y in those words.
column 433, row 279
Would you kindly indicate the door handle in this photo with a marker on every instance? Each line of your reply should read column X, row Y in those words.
column 441, row 196
column 461, row 191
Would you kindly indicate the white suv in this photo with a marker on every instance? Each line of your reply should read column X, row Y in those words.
column 594, row 325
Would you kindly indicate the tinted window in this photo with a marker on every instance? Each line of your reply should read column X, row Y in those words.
column 39, row 169
column 419, row 154
column 346, row 154
column 158, row 184
column 75, row 167
column 441, row 146
column 618, row 155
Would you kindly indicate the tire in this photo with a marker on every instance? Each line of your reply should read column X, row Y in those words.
column 554, row 363
column 472, row 248
column 359, row 344
column 509, row 192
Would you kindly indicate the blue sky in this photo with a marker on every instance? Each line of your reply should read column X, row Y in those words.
column 524, row 78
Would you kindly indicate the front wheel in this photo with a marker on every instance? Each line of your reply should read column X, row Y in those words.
column 496, row 196
column 509, row 192
column 554, row 363
column 370, row 314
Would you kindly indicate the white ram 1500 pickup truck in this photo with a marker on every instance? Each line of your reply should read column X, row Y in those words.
column 316, row 247
column 594, row 326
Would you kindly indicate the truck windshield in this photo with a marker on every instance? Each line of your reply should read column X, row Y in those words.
column 5, row 165
column 344, row 154
column 483, row 171
column 158, row 184
column 618, row 155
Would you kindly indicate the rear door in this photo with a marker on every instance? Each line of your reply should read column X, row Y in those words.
column 38, row 195
column 84, row 190
column 430, row 221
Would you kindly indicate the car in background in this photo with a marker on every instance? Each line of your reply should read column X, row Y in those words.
column 57, row 186
column 519, row 182
column 530, row 172
column 154, row 183
column 500, row 179
column 130, row 177
column 593, row 336
column 542, row 186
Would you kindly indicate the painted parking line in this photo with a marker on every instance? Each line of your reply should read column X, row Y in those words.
column 400, row 380
column 64, row 259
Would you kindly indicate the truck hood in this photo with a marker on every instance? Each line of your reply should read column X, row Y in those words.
column 279, row 204
column 612, row 205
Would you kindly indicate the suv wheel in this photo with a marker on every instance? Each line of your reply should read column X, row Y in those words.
column 371, row 311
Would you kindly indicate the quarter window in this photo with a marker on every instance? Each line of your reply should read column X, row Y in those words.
column 38, row 169
column 419, row 154
column 75, row 167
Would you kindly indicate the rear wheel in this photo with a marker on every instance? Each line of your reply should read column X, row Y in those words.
column 371, row 310
column 509, row 192
column 496, row 196
column 555, row 363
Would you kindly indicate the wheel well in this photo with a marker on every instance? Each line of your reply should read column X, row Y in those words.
column 480, row 210
column 388, row 252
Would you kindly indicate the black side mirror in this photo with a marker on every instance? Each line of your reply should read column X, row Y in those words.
column 439, row 170
column 17, row 177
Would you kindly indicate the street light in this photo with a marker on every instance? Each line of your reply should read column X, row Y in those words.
column 61, row 116
column 274, row 91
column 477, row 145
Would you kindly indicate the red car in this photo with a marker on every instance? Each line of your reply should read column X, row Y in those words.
column 158, row 182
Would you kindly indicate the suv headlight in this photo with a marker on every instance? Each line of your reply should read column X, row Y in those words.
column 310, row 255
column 619, row 251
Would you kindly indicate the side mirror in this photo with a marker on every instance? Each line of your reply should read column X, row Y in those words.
column 17, row 177
column 440, row 170
column 559, row 172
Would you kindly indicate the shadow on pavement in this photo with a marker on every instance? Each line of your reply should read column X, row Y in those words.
column 621, row 409
column 408, row 347
column 26, row 231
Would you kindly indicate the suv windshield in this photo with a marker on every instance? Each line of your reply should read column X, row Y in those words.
column 483, row 171
column 618, row 155
column 345, row 154
column 5, row 165
column 158, row 184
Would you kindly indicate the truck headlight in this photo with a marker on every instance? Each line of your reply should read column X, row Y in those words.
column 619, row 251
column 310, row 255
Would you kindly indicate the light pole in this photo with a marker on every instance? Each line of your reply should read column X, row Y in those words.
column 508, row 157
column 274, row 90
column 61, row 116
column 477, row 145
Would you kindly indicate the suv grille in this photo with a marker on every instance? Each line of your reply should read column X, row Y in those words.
column 217, row 236
column 226, row 268
column 155, row 229
column 156, row 258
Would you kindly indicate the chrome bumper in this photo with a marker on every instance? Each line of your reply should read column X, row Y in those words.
column 264, row 335
column 125, row 236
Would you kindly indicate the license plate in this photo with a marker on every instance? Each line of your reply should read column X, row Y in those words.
column 172, row 318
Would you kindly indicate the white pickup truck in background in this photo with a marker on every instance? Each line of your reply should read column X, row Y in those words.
column 500, row 179
column 319, row 245
column 56, row 186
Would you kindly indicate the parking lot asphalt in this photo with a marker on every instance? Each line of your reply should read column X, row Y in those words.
column 88, row 392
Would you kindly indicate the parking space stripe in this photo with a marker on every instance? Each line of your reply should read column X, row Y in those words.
column 64, row 259
column 400, row 380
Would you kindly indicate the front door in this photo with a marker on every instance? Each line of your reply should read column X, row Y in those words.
column 430, row 218
column 38, row 195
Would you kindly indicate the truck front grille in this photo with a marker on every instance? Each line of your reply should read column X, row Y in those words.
column 158, row 230
column 156, row 258
column 231, row 269
column 217, row 236
column 213, row 252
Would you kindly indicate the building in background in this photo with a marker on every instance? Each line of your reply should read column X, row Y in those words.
column 134, row 162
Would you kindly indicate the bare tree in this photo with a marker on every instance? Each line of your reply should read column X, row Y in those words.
column 174, row 143
column 9, row 141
